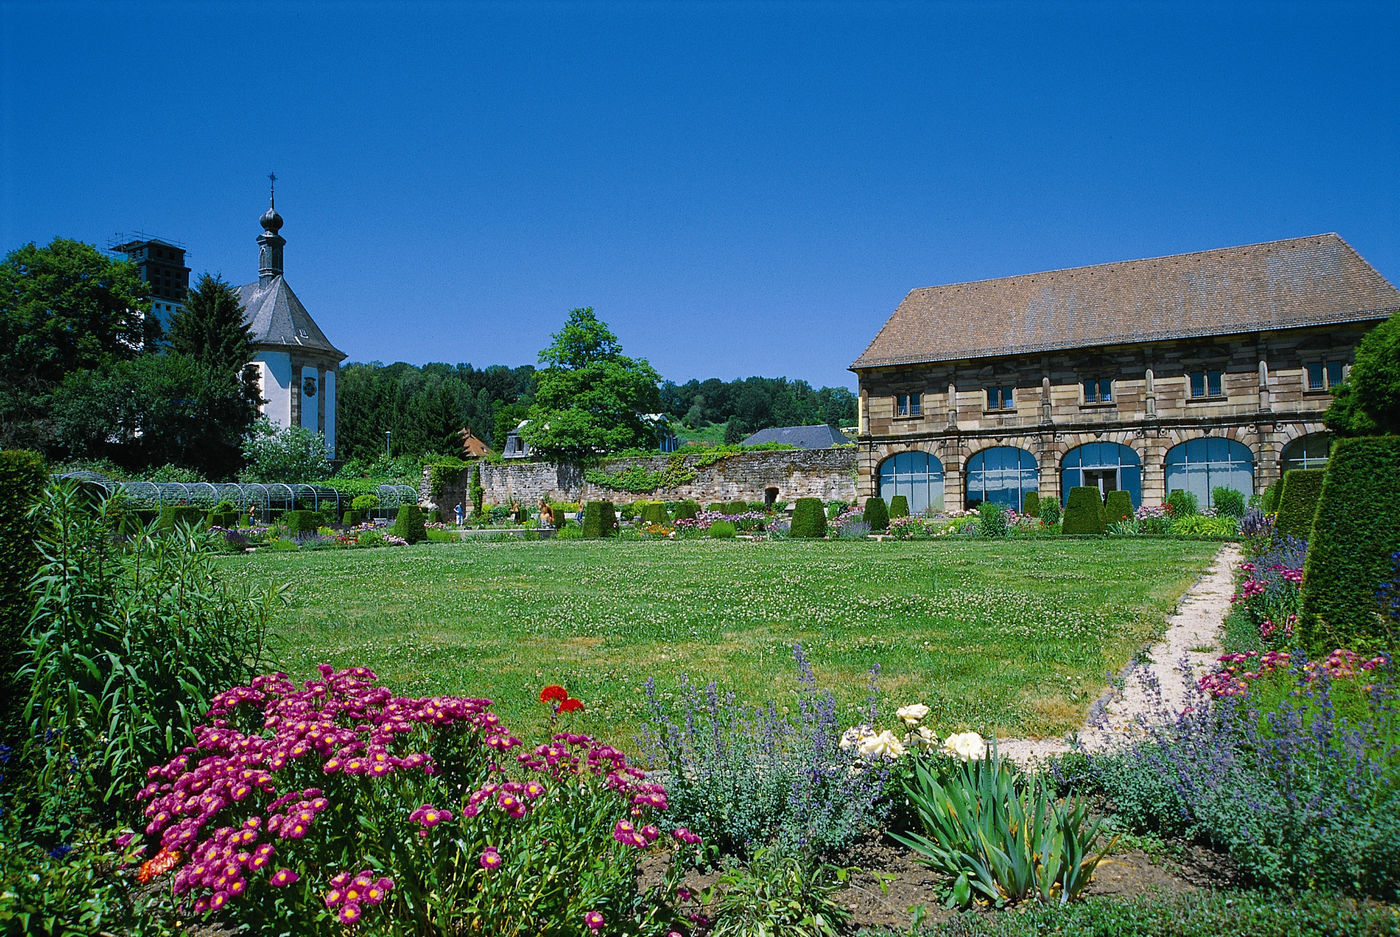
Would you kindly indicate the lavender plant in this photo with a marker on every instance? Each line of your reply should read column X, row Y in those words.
column 745, row 779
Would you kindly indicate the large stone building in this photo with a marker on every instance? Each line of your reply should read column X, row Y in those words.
column 161, row 264
column 296, row 363
column 1193, row 371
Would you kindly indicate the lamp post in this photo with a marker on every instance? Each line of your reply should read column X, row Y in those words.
column 387, row 454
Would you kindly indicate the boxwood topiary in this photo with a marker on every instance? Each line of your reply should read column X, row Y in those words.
column 716, row 507
column 1084, row 512
column 722, row 530
column 899, row 506
column 409, row 524
column 599, row 519
column 736, row 507
column 1118, row 506
column 191, row 514
column 876, row 514
column 1349, row 554
column 302, row 522
column 1297, row 502
column 687, row 510
column 808, row 519
column 351, row 518
column 654, row 512
column 1030, row 505
column 1268, row 501
column 22, row 478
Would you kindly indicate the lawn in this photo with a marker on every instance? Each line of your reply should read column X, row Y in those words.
column 1011, row 637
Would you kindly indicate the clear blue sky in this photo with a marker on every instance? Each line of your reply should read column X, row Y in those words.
column 737, row 188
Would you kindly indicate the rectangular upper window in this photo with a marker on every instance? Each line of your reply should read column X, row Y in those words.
column 1324, row 375
column 1000, row 398
column 1098, row 391
column 1206, row 384
column 908, row 404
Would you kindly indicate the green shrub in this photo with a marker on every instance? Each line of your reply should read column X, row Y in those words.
column 1227, row 502
column 364, row 504
column 1118, row 506
column 351, row 518
column 408, row 524
column 478, row 493
column 1199, row 525
column 1182, row 503
column 225, row 506
column 992, row 522
column 876, row 514
column 899, row 506
column 716, row 507
column 722, row 530
column 1349, row 555
column 1268, row 501
column 1084, row 513
column 808, row 519
column 686, row 510
column 599, row 520
column 191, row 514
column 1030, row 505
column 654, row 512
column 778, row 892
column 22, row 479
column 736, row 507
column 1049, row 511
column 302, row 522
column 1297, row 502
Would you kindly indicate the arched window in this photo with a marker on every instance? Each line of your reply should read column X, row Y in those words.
column 1003, row 474
column 1106, row 466
column 1200, row 465
column 1306, row 452
column 916, row 475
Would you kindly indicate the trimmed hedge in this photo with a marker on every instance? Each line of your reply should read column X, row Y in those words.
column 1297, row 502
column 654, row 512
column 599, row 520
column 191, row 514
column 1356, row 531
column 899, row 506
column 1084, row 512
column 302, row 522
column 408, row 524
column 1268, row 501
column 808, row 519
column 351, row 518
column 876, row 514
column 723, row 530
column 1118, row 506
column 22, row 478
column 686, row 511
column 1030, row 505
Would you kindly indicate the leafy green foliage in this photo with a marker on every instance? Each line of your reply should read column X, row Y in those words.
column 1349, row 555
column 654, row 512
column 408, row 524
column 591, row 397
column 447, row 473
column 992, row 522
column 478, row 493
column 686, row 510
column 723, row 530
column 1297, row 502
column 999, row 836
column 1030, row 504
column 1227, row 501
column 876, row 514
column 759, row 402
column 288, row 454
column 1368, row 403
column 22, row 479
column 1084, row 512
column 1199, row 525
column 781, row 893
column 126, row 642
column 808, row 519
column 64, row 308
column 364, row 503
column 1049, row 511
column 305, row 522
column 1181, row 503
column 172, row 514
column 1118, row 506
column 599, row 520
column 1268, row 501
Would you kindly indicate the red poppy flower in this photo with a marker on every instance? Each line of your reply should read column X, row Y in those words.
column 570, row 705
column 553, row 692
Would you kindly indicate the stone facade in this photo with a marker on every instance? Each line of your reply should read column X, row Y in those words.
column 780, row 475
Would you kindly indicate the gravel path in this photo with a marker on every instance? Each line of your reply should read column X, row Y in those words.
column 1155, row 683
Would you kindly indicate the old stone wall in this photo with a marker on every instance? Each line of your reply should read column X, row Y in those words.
column 781, row 475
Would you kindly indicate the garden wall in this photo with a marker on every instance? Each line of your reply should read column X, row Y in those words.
column 828, row 474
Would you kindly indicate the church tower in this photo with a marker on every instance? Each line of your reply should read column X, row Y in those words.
column 297, row 364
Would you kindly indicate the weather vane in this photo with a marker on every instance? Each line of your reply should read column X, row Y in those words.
column 272, row 188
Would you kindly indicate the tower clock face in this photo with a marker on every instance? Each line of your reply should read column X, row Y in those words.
column 308, row 387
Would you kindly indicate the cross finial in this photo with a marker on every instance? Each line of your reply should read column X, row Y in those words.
column 272, row 189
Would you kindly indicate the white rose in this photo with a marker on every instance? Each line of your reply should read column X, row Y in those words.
column 966, row 745
column 922, row 739
column 853, row 736
column 912, row 715
column 884, row 745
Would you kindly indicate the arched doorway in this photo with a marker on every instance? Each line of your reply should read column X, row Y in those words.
column 1002, row 474
column 916, row 475
column 1202, row 465
column 1107, row 466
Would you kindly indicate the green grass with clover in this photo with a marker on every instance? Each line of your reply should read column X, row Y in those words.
column 1010, row 637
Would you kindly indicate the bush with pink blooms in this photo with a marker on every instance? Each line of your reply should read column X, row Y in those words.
column 336, row 804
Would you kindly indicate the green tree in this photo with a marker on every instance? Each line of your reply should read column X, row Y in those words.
column 285, row 454
column 1368, row 403
column 63, row 308
column 590, row 398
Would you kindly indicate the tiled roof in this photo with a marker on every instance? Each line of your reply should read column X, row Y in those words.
column 1307, row 281
column 277, row 317
column 803, row 437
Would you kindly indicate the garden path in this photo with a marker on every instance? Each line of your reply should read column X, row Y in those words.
column 1160, row 683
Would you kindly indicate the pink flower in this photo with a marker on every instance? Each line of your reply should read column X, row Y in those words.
column 491, row 859
column 349, row 914
column 593, row 919
column 283, row 877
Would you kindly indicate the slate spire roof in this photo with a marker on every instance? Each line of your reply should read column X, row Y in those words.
column 275, row 315
column 1307, row 281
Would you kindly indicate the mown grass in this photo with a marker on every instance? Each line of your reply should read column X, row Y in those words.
column 1016, row 638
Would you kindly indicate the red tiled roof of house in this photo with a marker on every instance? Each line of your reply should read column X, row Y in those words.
column 1306, row 281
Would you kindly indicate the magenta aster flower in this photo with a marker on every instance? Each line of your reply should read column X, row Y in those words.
column 349, row 914
column 593, row 919
column 283, row 877
column 491, row 859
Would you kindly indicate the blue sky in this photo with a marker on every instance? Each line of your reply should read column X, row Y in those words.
column 737, row 188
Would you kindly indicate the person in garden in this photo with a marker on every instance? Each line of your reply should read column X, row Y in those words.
column 457, row 510
column 252, row 515
column 546, row 514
